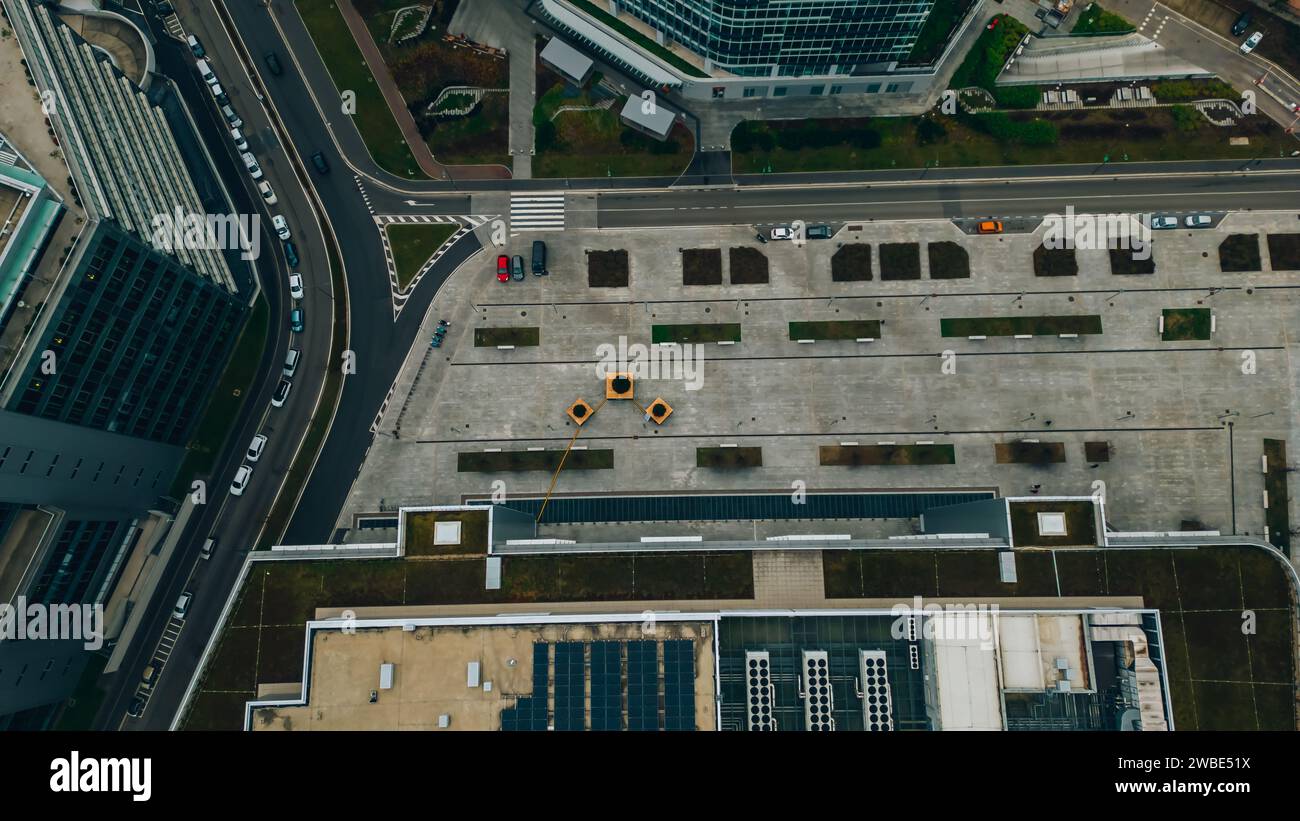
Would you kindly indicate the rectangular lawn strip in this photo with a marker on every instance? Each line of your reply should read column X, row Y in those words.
column 948, row 260
column 1239, row 253
column 1029, row 453
column 1265, row 587
column 852, row 263
column 889, row 573
column 413, row 245
column 1275, row 706
column 279, row 658
column 233, row 663
column 1222, row 706
column 607, row 269
column 1284, row 252
column 218, row 710
column 419, row 532
column 348, row 68
column 1081, row 572
column 697, row 332
column 1217, row 647
column 842, row 573
column 702, row 266
column 1185, row 324
column 1278, row 515
column 1080, row 524
column 969, row 573
column 519, row 337
column 728, row 457
column 729, row 575
column 855, row 455
column 900, row 260
column 836, row 329
column 1014, row 325
column 1123, row 263
column 748, row 266
column 1270, row 657
column 511, row 460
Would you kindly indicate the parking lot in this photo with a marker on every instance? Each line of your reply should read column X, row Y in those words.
column 1184, row 420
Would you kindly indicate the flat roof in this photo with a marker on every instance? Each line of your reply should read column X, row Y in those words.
column 659, row 119
column 568, row 60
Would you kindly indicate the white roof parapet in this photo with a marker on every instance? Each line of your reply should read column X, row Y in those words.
column 611, row 42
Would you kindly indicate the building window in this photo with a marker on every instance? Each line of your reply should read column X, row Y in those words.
column 817, row 91
column 837, row 89
column 779, row 92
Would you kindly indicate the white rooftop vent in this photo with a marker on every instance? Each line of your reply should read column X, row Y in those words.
column 914, row 657
column 444, row 721
column 385, row 676
column 758, row 682
column 471, row 674
column 873, row 679
column 446, row 533
column 1051, row 524
column 819, row 700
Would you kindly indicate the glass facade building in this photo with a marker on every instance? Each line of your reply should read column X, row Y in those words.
column 788, row 38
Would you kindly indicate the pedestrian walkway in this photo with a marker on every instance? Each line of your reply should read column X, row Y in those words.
column 789, row 578
column 536, row 212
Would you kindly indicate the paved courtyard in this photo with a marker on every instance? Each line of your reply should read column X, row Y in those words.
column 1184, row 421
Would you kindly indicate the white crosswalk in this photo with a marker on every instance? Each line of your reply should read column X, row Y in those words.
column 536, row 212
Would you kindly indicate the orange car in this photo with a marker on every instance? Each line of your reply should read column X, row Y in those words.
column 990, row 227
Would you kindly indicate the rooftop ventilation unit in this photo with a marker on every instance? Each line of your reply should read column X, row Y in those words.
column 819, row 701
column 911, row 628
column 758, row 681
column 914, row 657
column 873, row 689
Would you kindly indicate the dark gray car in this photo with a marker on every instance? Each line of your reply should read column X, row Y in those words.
column 517, row 268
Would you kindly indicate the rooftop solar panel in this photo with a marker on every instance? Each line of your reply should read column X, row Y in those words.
column 642, row 685
column 606, row 685
column 570, row 697
column 529, row 713
column 679, row 685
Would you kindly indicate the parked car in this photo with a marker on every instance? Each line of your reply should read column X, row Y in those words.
column 232, row 117
column 291, row 254
column 281, row 393
column 256, row 447
column 250, row 163
column 273, row 63
column 195, row 46
column 209, row 545
column 989, row 227
column 241, row 480
column 539, row 258
column 517, row 268
column 137, row 707
column 1251, row 41
column 295, row 286
column 1164, row 221
column 297, row 320
column 503, row 268
column 318, row 160
column 1239, row 27
column 1198, row 221
column 819, row 232
column 149, row 674
column 182, row 605
column 238, row 137
column 268, row 193
column 281, row 226
column 291, row 362
column 781, row 232
column 205, row 71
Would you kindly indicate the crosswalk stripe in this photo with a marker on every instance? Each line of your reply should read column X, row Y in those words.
column 536, row 212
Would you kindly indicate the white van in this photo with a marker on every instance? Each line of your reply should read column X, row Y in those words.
column 238, row 137
column 208, row 547
column 291, row 362
column 205, row 71
column 232, row 117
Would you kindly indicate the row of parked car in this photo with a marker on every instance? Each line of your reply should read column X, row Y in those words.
column 513, row 267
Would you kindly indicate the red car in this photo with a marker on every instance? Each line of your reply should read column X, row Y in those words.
column 503, row 268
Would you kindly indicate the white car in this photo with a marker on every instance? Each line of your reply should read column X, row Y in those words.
column 256, row 447
column 250, row 162
column 281, row 393
column 215, row 88
column 238, row 137
column 241, row 480
column 1164, row 221
column 782, row 233
column 1251, row 41
column 1198, row 221
column 182, row 605
column 281, row 226
column 264, row 188
column 295, row 286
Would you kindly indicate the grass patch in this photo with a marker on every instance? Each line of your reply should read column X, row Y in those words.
column 697, row 332
column 836, row 329
column 413, row 245
column 702, row 266
column 1020, row 325
column 227, row 398
column 1124, row 263
column 900, row 260
column 1278, row 516
column 1239, row 253
column 948, row 260
column 852, row 263
column 481, row 137
column 985, row 59
column 607, row 269
column 726, row 458
column 1185, row 324
column 1096, row 20
column 1055, row 262
column 348, row 68
column 1284, row 252
column 1185, row 91
column 748, row 266
column 419, row 532
column 510, row 460
column 858, row 455
column 639, row 39
column 1080, row 524
column 519, row 337
column 1029, row 453
column 935, row 32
